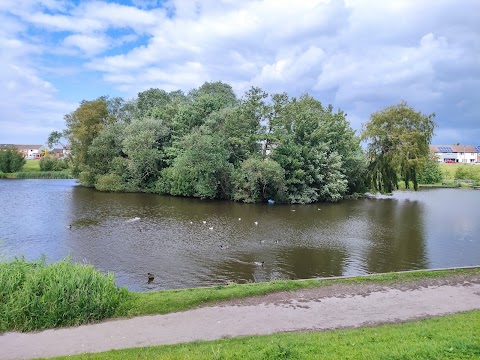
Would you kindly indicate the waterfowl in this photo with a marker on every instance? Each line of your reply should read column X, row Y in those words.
column 204, row 222
column 210, row 228
column 223, row 247
column 151, row 277
column 255, row 222
column 239, row 219
column 69, row 226
column 259, row 263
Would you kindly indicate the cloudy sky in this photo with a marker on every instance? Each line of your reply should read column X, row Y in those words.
column 358, row 55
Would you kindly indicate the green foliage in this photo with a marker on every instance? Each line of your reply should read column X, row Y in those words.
column 431, row 173
column 202, row 144
column 201, row 168
column 42, row 175
column 259, row 180
column 83, row 125
column 398, row 139
column 143, row 146
column 52, row 164
column 11, row 160
column 110, row 182
column 313, row 167
column 467, row 172
column 34, row 295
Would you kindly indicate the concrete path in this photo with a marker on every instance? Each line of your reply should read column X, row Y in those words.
column 336, row 306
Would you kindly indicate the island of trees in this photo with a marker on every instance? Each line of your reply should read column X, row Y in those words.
column 208, row 143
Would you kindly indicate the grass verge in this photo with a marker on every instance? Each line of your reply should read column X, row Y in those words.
column 449, row 337
column 162, row 302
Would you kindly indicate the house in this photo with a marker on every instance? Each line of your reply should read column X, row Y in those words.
column 465, row 154
column 58, row 153
column 28, row 151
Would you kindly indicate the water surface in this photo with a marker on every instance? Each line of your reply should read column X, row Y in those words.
column 132, row 234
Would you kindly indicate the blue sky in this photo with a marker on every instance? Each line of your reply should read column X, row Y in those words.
column 358, row 55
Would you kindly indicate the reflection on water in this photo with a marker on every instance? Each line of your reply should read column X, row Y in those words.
column 191, row 242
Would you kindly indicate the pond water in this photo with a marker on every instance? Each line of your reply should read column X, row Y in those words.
column 193, row 242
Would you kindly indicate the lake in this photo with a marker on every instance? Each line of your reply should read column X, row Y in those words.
column 192, row 242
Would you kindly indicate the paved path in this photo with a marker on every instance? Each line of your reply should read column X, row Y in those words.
column 330, row 307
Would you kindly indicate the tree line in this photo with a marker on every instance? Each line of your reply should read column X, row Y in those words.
column 209, row 143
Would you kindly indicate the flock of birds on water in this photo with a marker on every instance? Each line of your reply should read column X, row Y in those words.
column 151, row 277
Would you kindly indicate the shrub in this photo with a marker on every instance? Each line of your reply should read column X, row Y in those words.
column 34, row 295
column 11, row 160
column 110, row 182
column 52, row 164
column 431, row 173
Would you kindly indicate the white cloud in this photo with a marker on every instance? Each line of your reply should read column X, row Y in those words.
column 361, row 55
column 88, row 44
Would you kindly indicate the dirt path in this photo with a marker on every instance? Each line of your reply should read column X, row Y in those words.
column 335, row 306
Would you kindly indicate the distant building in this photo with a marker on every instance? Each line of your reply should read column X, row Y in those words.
column 465, row 154
column 28, row 151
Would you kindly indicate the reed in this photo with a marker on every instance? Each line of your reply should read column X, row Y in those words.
column 36, row 295
column 43, row 175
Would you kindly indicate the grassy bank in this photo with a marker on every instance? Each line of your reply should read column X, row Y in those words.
column 35, row 295
column 31, row 170
column 162, row 302
column 449, row 337
column 37, row 175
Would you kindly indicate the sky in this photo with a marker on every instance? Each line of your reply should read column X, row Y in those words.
column 358, row 55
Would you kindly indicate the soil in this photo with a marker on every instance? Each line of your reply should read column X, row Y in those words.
column 317, row 309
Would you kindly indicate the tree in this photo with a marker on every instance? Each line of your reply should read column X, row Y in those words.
column 83, row 125
column 314, row 169
column 398, row 138
column 56, row 138
column 143, row 146
column 201, row 168
column 258, row 180
column 431, row 173
column 11, row 160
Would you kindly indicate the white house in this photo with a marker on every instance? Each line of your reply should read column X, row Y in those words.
column 31, row 151
column 465, row 154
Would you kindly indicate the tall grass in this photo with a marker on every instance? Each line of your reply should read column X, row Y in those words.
column 35, row 295
column 43, row 175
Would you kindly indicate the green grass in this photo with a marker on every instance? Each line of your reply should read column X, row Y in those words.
column 449, row 337
column 37, row 175
column 162, row 302
column 460, row 171
column 35, row 295
column 31, row 165
column 44, row 175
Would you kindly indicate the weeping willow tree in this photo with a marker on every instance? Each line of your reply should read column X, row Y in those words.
column 398, row 138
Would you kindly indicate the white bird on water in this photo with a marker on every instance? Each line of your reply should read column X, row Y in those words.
column 239, row 219
column 256, row 222
column 204, row 222
column 211, row 227
column 259, row 263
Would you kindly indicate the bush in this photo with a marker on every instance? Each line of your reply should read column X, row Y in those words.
column 431, row 174
column 11, row 160
column 110, row 182
column 52, row 164
column 34, row 295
